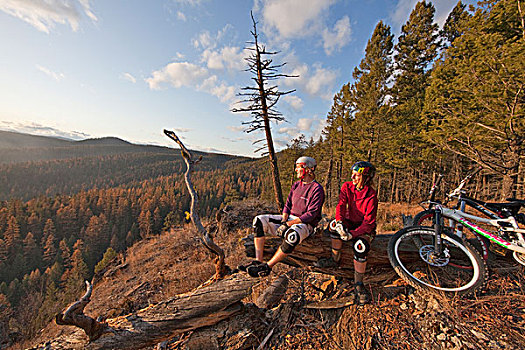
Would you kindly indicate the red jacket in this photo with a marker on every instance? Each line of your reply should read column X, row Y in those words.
column 357, row 209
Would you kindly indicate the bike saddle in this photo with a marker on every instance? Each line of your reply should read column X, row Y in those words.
column 516, row 200
column 511, row 208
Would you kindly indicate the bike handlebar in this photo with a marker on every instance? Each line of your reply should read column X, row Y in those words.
column 458, row 190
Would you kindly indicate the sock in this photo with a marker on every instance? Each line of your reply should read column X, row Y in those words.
column 358, row 277
column 336, row 254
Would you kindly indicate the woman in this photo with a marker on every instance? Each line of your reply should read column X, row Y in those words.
column 355, row 221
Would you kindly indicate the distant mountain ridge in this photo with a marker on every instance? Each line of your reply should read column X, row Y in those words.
column 17, row 140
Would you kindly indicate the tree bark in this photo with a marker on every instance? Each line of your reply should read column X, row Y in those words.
column 319, row 246
column 157, row 323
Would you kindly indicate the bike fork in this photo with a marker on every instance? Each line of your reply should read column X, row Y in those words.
column 438, row 228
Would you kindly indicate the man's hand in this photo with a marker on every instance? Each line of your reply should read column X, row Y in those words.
column 282, row 229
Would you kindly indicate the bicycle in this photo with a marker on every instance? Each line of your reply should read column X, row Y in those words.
column 491, row 210
column 436, row 258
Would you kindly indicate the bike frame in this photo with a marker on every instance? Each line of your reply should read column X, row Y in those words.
column 464, row 218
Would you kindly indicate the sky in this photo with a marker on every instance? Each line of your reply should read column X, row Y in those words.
column 130, row 68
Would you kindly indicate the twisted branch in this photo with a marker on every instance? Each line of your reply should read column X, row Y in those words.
column 220, row 267
column 74, row 316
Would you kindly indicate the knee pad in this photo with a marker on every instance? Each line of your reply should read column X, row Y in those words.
column 291, row 240
column 257, row 228
column 361, row 248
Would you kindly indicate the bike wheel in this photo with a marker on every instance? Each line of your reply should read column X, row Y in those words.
column 459, row 269
column 424, row 218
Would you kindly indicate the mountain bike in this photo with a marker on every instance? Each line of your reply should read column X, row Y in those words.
column 437, row 258
column 491, row 210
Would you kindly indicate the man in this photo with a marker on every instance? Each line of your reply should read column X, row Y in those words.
column 355, row 221
column 301, row 213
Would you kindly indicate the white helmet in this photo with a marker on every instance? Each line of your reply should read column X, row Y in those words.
column 307, row 162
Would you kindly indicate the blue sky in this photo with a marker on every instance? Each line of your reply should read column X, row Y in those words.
column 130, row 68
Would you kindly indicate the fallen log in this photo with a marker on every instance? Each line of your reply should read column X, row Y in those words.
column 319, row 246
column 162, row 321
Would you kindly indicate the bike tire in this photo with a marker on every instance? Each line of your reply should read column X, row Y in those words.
column 411, row 266
column 424, row 218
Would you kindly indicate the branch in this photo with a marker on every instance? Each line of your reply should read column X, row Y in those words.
column 74, row 316
column 220, row 267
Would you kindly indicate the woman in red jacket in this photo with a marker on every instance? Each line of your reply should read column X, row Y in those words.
column 355, row 221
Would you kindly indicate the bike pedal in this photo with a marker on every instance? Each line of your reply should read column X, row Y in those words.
column 497, row 249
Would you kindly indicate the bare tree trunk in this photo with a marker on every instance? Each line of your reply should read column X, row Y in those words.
column 394, row 186
column 156, row 323
column 277, row 191
column 220, row 267
column 328, row 180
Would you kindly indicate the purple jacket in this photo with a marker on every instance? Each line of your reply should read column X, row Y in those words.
column 305, row 201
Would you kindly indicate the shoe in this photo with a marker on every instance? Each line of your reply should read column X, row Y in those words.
column 259, row 270
column 361, row 294
column 326, row 263
column 245, row 267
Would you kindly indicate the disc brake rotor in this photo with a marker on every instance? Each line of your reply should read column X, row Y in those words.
column 428, row 255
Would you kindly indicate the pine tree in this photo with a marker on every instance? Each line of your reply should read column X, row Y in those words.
column 368, row 96
column 475, row 101
column 32, row 252
column 50, row 250
column 452, row 28
column 416, row 50
column 12, row 237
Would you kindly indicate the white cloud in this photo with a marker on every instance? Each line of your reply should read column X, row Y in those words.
column 39, row 129
column 229, row 57
column 177, row 74
column 44, row 14
column 129, row 77
column 304, row 124
column 213, row 86
column 185, row 74
column 179, row 56
column 338, row 37
column 181, row 16
column 50, row 73
column 293, row 18
column 295, row 102
column 205, row 40
column 236, row 128
column 316, row 81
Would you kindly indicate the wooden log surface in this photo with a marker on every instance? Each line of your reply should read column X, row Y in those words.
column 319, row 246
column 159, row 322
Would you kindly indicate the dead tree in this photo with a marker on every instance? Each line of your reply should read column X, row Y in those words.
column 262, row 100
column 156, row 323
column 74, row 316
column 220, row 267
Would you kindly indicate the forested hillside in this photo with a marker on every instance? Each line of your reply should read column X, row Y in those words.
column 27, row 172
column 436, row 101
column 50, row 245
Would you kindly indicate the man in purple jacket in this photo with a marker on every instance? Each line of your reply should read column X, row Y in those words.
column 301, row 213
